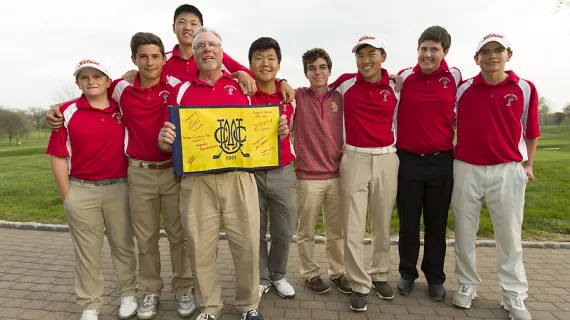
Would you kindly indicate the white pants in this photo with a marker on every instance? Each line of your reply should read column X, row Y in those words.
column 502, row 187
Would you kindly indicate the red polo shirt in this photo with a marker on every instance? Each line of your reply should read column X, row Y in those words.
column 199, row 93
column 287, row 153
column 144, row 112
column 426, row 111
column 185, row 70
column 493, row 121
column 91, row 139
column 368, row 110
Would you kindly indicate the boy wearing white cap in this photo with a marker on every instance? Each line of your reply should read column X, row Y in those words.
column 497, row 130
column 368, row 169
column 90, row 170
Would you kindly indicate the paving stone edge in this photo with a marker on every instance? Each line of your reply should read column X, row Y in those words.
column 319, row 239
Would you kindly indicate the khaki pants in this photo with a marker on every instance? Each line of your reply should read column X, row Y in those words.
column 312, row 195
column 204, row 201
column 152, row 192
column 368, row 181
column 502, row 187
column 91, row 211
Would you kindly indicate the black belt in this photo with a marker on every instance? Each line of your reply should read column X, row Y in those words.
column 104, row 182
column 425, row 154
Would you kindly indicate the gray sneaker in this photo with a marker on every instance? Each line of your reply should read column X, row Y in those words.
column 147, row 309
column 516, row 309
column 462, row 298
column 186, row 305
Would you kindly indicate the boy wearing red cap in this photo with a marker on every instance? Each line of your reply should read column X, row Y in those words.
column 497, row 136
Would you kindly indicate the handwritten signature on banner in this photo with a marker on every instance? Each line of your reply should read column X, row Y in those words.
column 229, row 137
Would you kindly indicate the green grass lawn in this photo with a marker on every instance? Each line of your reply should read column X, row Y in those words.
column 28, row 193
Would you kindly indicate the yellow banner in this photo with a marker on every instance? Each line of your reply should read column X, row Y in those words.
column 214, row 138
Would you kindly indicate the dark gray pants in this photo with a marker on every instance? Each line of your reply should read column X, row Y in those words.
column 278, row 200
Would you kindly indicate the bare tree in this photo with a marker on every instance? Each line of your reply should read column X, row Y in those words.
column 15, row 124
column 66, row 92
column 38, row 118
column 561, row 4
column 544, row 111
column 566, row 110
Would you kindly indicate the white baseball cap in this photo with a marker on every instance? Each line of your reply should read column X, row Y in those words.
column 369, row 40
column 90, row 63
column 493, row 37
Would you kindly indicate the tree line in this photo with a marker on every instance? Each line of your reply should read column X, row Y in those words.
column 17, row 124
column 549, row 118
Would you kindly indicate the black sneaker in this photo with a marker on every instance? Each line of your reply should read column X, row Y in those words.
column 317, row 285
column 436, row 292
column 252, row 315
column 358, row 301
column 383, row 290
column 405, row 286
column 342, row 284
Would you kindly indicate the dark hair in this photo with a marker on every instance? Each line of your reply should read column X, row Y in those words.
column 436, row 34
column 312, row 55
column 188, row 8
column 265, row 43
column 364, row 46
column 144, row 38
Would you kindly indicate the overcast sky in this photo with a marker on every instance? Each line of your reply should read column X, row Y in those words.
column 43, row 40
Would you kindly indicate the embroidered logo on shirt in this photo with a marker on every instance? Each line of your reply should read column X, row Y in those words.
column 230, row 89
column 118, row 116
column 385, row 94
column 164, row 95
column 334, row 107
column 510, row 98
column 444, row 81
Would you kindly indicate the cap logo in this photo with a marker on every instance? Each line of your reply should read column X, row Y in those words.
column 87, row 61
column 492, row 35
column 366, row 38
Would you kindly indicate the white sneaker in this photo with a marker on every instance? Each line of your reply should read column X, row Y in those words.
column 263, row 289
column 128, row 307
column 205, row 316
column 186, row 305
column 284, row 289
column 147, row 309
column 516, row 309
column 91, row 314
column 464, row 295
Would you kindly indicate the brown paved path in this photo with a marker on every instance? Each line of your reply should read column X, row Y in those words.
column 36, row 282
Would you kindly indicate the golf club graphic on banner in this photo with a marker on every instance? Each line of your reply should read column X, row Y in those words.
column 210, row 139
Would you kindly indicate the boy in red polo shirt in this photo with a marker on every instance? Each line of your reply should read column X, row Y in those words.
column 369, row 169
column 497, row 136
column 90, row 171
column 425, row 149
column 276, row 187
column 153, row 188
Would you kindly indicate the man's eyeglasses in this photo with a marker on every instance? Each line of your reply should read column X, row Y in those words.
column 212, row 45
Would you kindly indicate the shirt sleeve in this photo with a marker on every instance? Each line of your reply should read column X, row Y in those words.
column 336, row 84
column 234, row 66
column 532, row 121
column 57, row 145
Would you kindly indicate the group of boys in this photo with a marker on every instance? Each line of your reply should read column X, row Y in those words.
column 361, row 145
